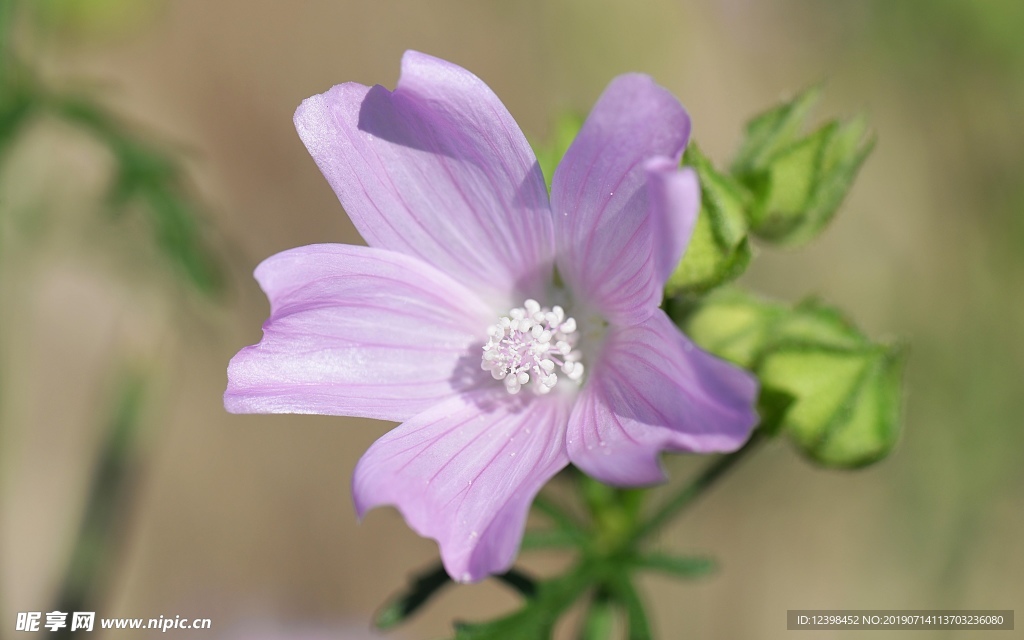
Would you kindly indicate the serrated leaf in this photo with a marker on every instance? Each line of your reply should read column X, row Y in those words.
column 718, row 250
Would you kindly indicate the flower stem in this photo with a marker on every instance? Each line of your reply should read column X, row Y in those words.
column 522, row 583
column 689, row 493
column 421, row 588
column 101, row 532
column 558, row 515
column 638, row 627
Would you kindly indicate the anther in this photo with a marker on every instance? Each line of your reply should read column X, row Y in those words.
column 529, row 346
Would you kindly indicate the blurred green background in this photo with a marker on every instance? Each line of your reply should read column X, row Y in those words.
column 127, row 246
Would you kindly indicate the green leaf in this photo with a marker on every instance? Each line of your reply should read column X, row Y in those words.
column 550, row 153
column 18, row 93
column 559, row 516
column 797, row 182
column 150, row 182
column 426, row 585
column 550, row 539
column 421, row 589
column 15, row 109
column 687, row 567
column 718, row 250
column 522, row 583
column 538, row 616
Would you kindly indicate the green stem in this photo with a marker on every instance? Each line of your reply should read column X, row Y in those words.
column 551, row 539
column 524, row 584
column 97, row 538
column 599, row 620
column 421, row 588
column 539, row 615
column 638, row 627
column 7, row 9
column 558, row 515
column 695, row 489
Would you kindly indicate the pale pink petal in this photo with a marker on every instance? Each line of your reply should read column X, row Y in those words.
column 599, row 198
column 652, row 390
column 358, row 331
column 439, row 170
column 465, row 473
column 673, row 197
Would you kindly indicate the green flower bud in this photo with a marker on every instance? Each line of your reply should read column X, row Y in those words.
column 829, row 388
column 798, row 182
column 718, row 251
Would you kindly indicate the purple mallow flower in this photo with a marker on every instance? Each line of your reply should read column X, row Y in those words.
column 510, row 334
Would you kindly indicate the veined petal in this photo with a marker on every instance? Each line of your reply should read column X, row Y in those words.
column 357, row 331
column 439, row 170
column 465, row 473
column 673, row 198
column 600, row 203
column 652, row 390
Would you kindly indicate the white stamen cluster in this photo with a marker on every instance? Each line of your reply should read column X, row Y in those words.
column 531, row 344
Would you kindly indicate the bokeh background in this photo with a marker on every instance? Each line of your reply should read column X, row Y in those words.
column 125, row 316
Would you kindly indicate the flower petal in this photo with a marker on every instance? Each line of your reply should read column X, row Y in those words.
column 653, row 390
column 465, row 473
column 357, row 331
column 599, row 197
column 439, row 170
column 673, row 197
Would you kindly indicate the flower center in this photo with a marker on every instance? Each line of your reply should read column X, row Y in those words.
column 530, row 346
